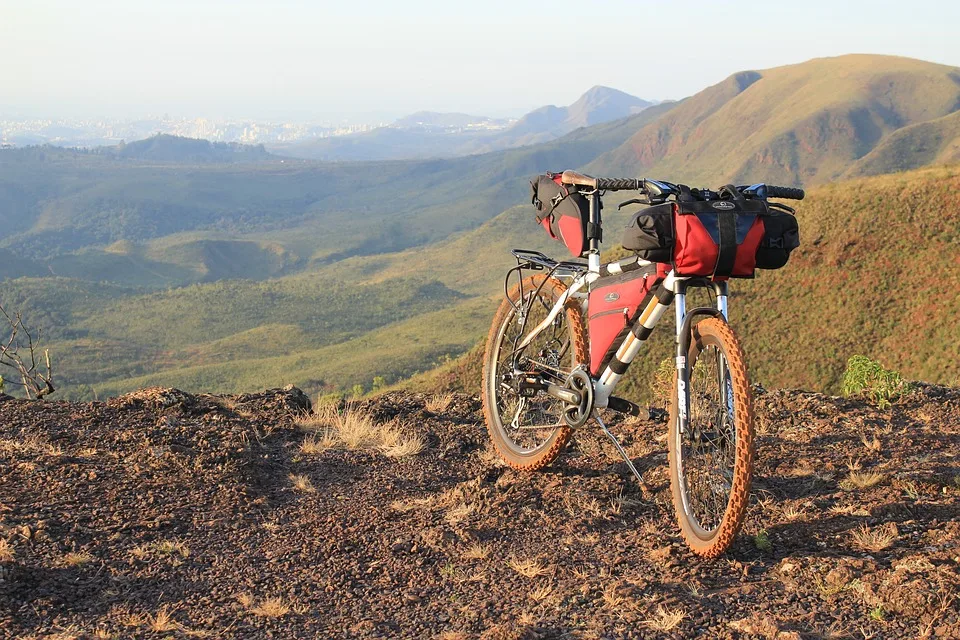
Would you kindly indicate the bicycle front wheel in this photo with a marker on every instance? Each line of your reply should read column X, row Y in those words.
column 711, row 463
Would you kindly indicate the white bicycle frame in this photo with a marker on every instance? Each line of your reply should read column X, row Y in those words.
column 648, row 320
column 672, row 290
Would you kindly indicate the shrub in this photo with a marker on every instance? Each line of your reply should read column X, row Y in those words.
column 663, row 380
column 868, row 377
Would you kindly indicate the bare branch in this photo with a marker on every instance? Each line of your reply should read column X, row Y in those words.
column 35, row 383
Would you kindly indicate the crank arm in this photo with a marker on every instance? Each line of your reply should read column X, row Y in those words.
column 568, row 396
column 530, row 385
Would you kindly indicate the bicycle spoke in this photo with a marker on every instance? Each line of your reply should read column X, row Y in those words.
column 528, row 421
column 707, row 448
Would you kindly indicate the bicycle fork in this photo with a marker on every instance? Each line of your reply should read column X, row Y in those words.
column 684, row 331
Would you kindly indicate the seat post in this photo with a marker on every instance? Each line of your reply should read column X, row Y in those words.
column 593, row 257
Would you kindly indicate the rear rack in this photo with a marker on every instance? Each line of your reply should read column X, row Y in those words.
column 536, row 261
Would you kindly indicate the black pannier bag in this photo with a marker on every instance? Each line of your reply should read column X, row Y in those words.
column 563, row 211
column 718, row 238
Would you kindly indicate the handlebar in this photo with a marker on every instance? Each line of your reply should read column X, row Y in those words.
column 620, row 184
column 784, row 192
column 662, row 189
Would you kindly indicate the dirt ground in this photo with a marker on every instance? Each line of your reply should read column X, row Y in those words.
column 164, row 514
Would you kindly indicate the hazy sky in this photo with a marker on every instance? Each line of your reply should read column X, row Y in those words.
column 320, row 59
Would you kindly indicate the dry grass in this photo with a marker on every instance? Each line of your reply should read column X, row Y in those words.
column 322, row 417
column 527, row 567
column 271, row 608
column 30, row 444
column 170, row 548
column 162, row 621
column 793, row 512
column 76, row 559
column 861, row 480
column 580, row 573
column 394, row 444
column 460, row 512
column 130, row 618
column 871, row 443
column 876, row 539
column 6, row 551
column 246, row 600
column 404, row 506
column 357, row 430
column 613, row 597
column 542, row 593
column 439, row 403
column 477, row 551
column 411, row 446
column 665, row 619
column 322, row 440
column 302, row 483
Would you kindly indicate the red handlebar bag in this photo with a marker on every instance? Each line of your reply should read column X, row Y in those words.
column 717, row 238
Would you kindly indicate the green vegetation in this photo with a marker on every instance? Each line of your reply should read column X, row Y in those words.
column 762, row 542
column 868, row 377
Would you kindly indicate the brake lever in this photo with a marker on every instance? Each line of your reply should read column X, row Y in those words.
column 633, row 201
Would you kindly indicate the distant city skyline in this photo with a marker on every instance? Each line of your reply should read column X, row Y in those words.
column 373, row 61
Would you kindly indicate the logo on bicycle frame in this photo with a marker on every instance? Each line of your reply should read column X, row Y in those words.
column 724, row 205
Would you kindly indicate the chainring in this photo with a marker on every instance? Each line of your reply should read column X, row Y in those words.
column 580, row 382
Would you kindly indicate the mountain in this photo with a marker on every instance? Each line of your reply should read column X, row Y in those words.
column 802, row 124
column 435, row 135
column 599, row 104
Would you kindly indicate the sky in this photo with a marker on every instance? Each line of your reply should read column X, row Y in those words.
column 362, row 60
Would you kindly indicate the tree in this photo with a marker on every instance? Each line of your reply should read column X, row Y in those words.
column 20, row 353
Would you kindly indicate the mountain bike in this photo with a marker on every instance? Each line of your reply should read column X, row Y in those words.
column 549, row 370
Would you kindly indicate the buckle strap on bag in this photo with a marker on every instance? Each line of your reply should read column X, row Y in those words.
column 727, row 222
column 594, row 232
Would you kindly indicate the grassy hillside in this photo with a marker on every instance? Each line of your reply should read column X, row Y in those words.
column 918, row 145
column 802, row 124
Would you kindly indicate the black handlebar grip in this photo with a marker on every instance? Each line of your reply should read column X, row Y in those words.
column 785, row 192
column 618, row 184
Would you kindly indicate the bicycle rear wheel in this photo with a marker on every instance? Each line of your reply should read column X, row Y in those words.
column 529, row 432
column 711, row 464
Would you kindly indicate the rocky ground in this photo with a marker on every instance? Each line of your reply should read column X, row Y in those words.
column 163, row 514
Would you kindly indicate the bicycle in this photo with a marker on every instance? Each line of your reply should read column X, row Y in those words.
column 543, row 378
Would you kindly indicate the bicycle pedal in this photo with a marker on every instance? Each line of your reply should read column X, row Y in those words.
column 625, row 406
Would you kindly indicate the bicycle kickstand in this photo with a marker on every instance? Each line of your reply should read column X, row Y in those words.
column 643, row 485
